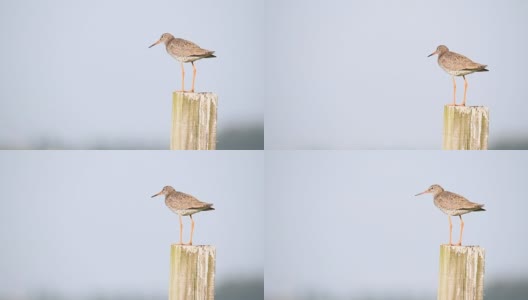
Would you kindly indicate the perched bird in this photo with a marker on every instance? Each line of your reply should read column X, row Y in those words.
column 452, row 205
column 457, row 65
column 183, row 205
column 184, row 51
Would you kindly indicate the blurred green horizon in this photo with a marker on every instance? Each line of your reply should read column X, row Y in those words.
column 503, row 289
column 240, row 137
column 246, row 287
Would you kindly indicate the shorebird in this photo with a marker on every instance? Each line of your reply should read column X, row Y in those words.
column 452, row 205
column 183, row 205
column 184, row 51
column 457, row 65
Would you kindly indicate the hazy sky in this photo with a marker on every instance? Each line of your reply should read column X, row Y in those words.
column 78, row 73
column 355, row 74
column 343, row 223
column 340, row 222
column 84, row 222
column 326, row 75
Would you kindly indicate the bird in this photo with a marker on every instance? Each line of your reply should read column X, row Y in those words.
column 183, row 205
column 453, row 205
column 184, row 51
column 457, row 65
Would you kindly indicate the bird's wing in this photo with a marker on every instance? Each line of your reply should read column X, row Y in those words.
column 186, row 48
column 186, row 201
column 473, row 206
column 198, row 204
column 478, row 67
column 179, row 200
column 456, row 201
column 455, row 61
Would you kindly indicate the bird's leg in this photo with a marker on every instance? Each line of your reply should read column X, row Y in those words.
column 192, row 229
column 454, row 91
column 450, row 230
column 181, row 231
column 461, row 230
column 183, row 78
column 194, row 76
column 465, row 90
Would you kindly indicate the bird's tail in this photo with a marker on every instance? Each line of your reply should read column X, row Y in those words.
column 479, row 208
column 483, row 68
column 209, row 207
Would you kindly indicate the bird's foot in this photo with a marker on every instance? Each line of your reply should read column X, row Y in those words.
column 452, row 104
column 463, row 104
column 188, row 244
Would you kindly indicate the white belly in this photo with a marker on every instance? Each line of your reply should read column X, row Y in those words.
column 184, row 212
column 457, row 72
column 185, row 59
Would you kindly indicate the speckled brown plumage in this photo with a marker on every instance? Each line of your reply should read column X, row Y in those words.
column 457, row 65
column 184, row 51
column 183, row 205
column 453, row 205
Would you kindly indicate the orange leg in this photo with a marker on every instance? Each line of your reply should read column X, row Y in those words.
column 465, row 90
column 192, row 229
column 461, row 231
column 194, row 76
column 450, row 231
column 181, row 231
column 454, row 91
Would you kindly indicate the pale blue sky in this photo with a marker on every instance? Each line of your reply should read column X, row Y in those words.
column 80, row 74
column 355, row 74
column 83, row 222
column 347, row 223
column 326, row 75
column 338, row 222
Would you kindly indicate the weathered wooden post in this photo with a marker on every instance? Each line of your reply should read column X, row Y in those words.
column 465, row 128
column 461, row 273
column 193, row 121
column 192, row 272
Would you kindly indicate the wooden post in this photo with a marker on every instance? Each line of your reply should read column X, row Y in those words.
column 461, row 273
column 192, row 272
column 193, row 121
column 465, row 128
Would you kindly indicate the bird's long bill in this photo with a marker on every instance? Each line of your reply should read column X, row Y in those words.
column 159, row 41
column 156, row 195
column 424, row 192
column 427, row 55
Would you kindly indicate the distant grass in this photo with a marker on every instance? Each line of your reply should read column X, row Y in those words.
column 233, row 289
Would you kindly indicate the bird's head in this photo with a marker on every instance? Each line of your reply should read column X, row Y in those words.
column 439, row 50
column 165, row 191
column 434, row 189
column 163, row 39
